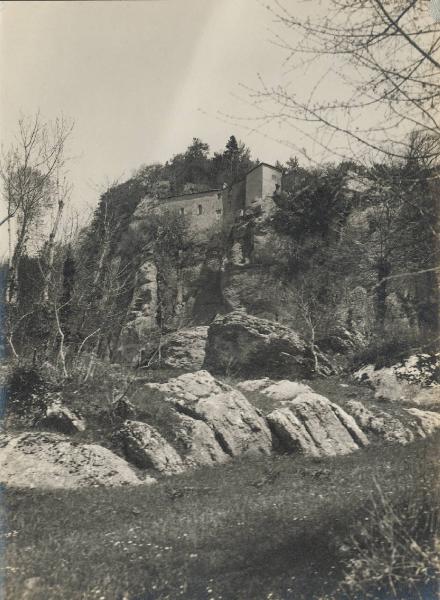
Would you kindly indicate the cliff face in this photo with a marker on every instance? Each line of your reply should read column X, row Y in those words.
column 243, row 269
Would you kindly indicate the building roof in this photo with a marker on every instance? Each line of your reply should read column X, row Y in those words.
column 264, row 164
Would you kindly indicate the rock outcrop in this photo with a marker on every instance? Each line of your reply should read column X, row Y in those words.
column 386, row 385
column 240, row 343
column 275, row 390
column 197, row 443
column 314, row 426
column 146, row 448
column 341, row 340
column 425, row 422
column 135, row 341
column 60, row 418
column 428, row 397
column 49, row 460
column 380, row 423
column 185, row 349
column 412, row 422
column 238, row 427
column 407, row 381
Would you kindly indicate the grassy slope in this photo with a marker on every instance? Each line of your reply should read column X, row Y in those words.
column 249, row 530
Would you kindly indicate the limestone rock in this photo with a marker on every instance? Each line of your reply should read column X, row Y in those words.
column 50, row 460
column 238, row 426
column 278, row 391
column 144, row 303
column 199, row 443
column 386, row 385
column 407, row 381
column 341, row 340
column 414, row 423
column 423, row 369
column 60, row 418
column 185, row 349
column 254, row 385
column 245, row 344
column 135, row 340
column 426, row 422
column 146, row 448
column 428, row 397
column 315, row 426
column 380, row 423
column 285, row 390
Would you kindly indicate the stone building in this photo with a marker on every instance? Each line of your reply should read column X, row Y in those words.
column 222, row 207
column 256, row 189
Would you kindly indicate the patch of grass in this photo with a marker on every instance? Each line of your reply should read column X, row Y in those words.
column 251, row 529
column 396, row 551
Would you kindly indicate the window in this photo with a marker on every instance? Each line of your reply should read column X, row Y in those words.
column 219, row 211
column 182, row 211
column 200, row 209
column 274, row 176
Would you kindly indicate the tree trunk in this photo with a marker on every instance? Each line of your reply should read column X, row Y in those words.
column 50, row 252
column 12, row 286
column 383, row 268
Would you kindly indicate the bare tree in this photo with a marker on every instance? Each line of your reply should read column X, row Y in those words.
column 30, row 172
column 381, row 58
column 62, row 193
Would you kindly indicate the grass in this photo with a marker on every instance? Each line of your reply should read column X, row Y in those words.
column 271, row 528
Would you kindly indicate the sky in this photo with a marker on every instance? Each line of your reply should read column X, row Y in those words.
column 140, row 79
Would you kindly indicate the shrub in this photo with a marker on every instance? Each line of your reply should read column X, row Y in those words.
column 27, row 387
column 385, row 353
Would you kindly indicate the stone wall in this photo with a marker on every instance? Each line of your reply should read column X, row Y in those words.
column 261, row 184
column 204, row 209
column 220, row 207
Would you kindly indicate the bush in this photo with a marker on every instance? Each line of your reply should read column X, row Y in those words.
column 385, row 353
column 27, row 388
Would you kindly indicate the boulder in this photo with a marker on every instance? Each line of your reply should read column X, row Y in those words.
column 407, row 381
column 254, row 385
column 380, row 423
column 238, row 427
column 197, row 443
column 146, row 448
column 425, row 422
column 423, row 369
column 386, row 385
column 314, row 426
column 341, row 340
column 413, row 423
column 241, row 343
column 60, row 418
column 185, row 349
column 428, row 397
column 279, row 391
column 50, row 460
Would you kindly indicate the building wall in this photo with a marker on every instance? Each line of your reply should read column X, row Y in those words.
column 206, row 209
column 261, row 184
column 254, row 186
column 270, row 178
column 203, row 209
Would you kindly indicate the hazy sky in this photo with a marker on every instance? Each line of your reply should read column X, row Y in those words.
column 140, row 79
